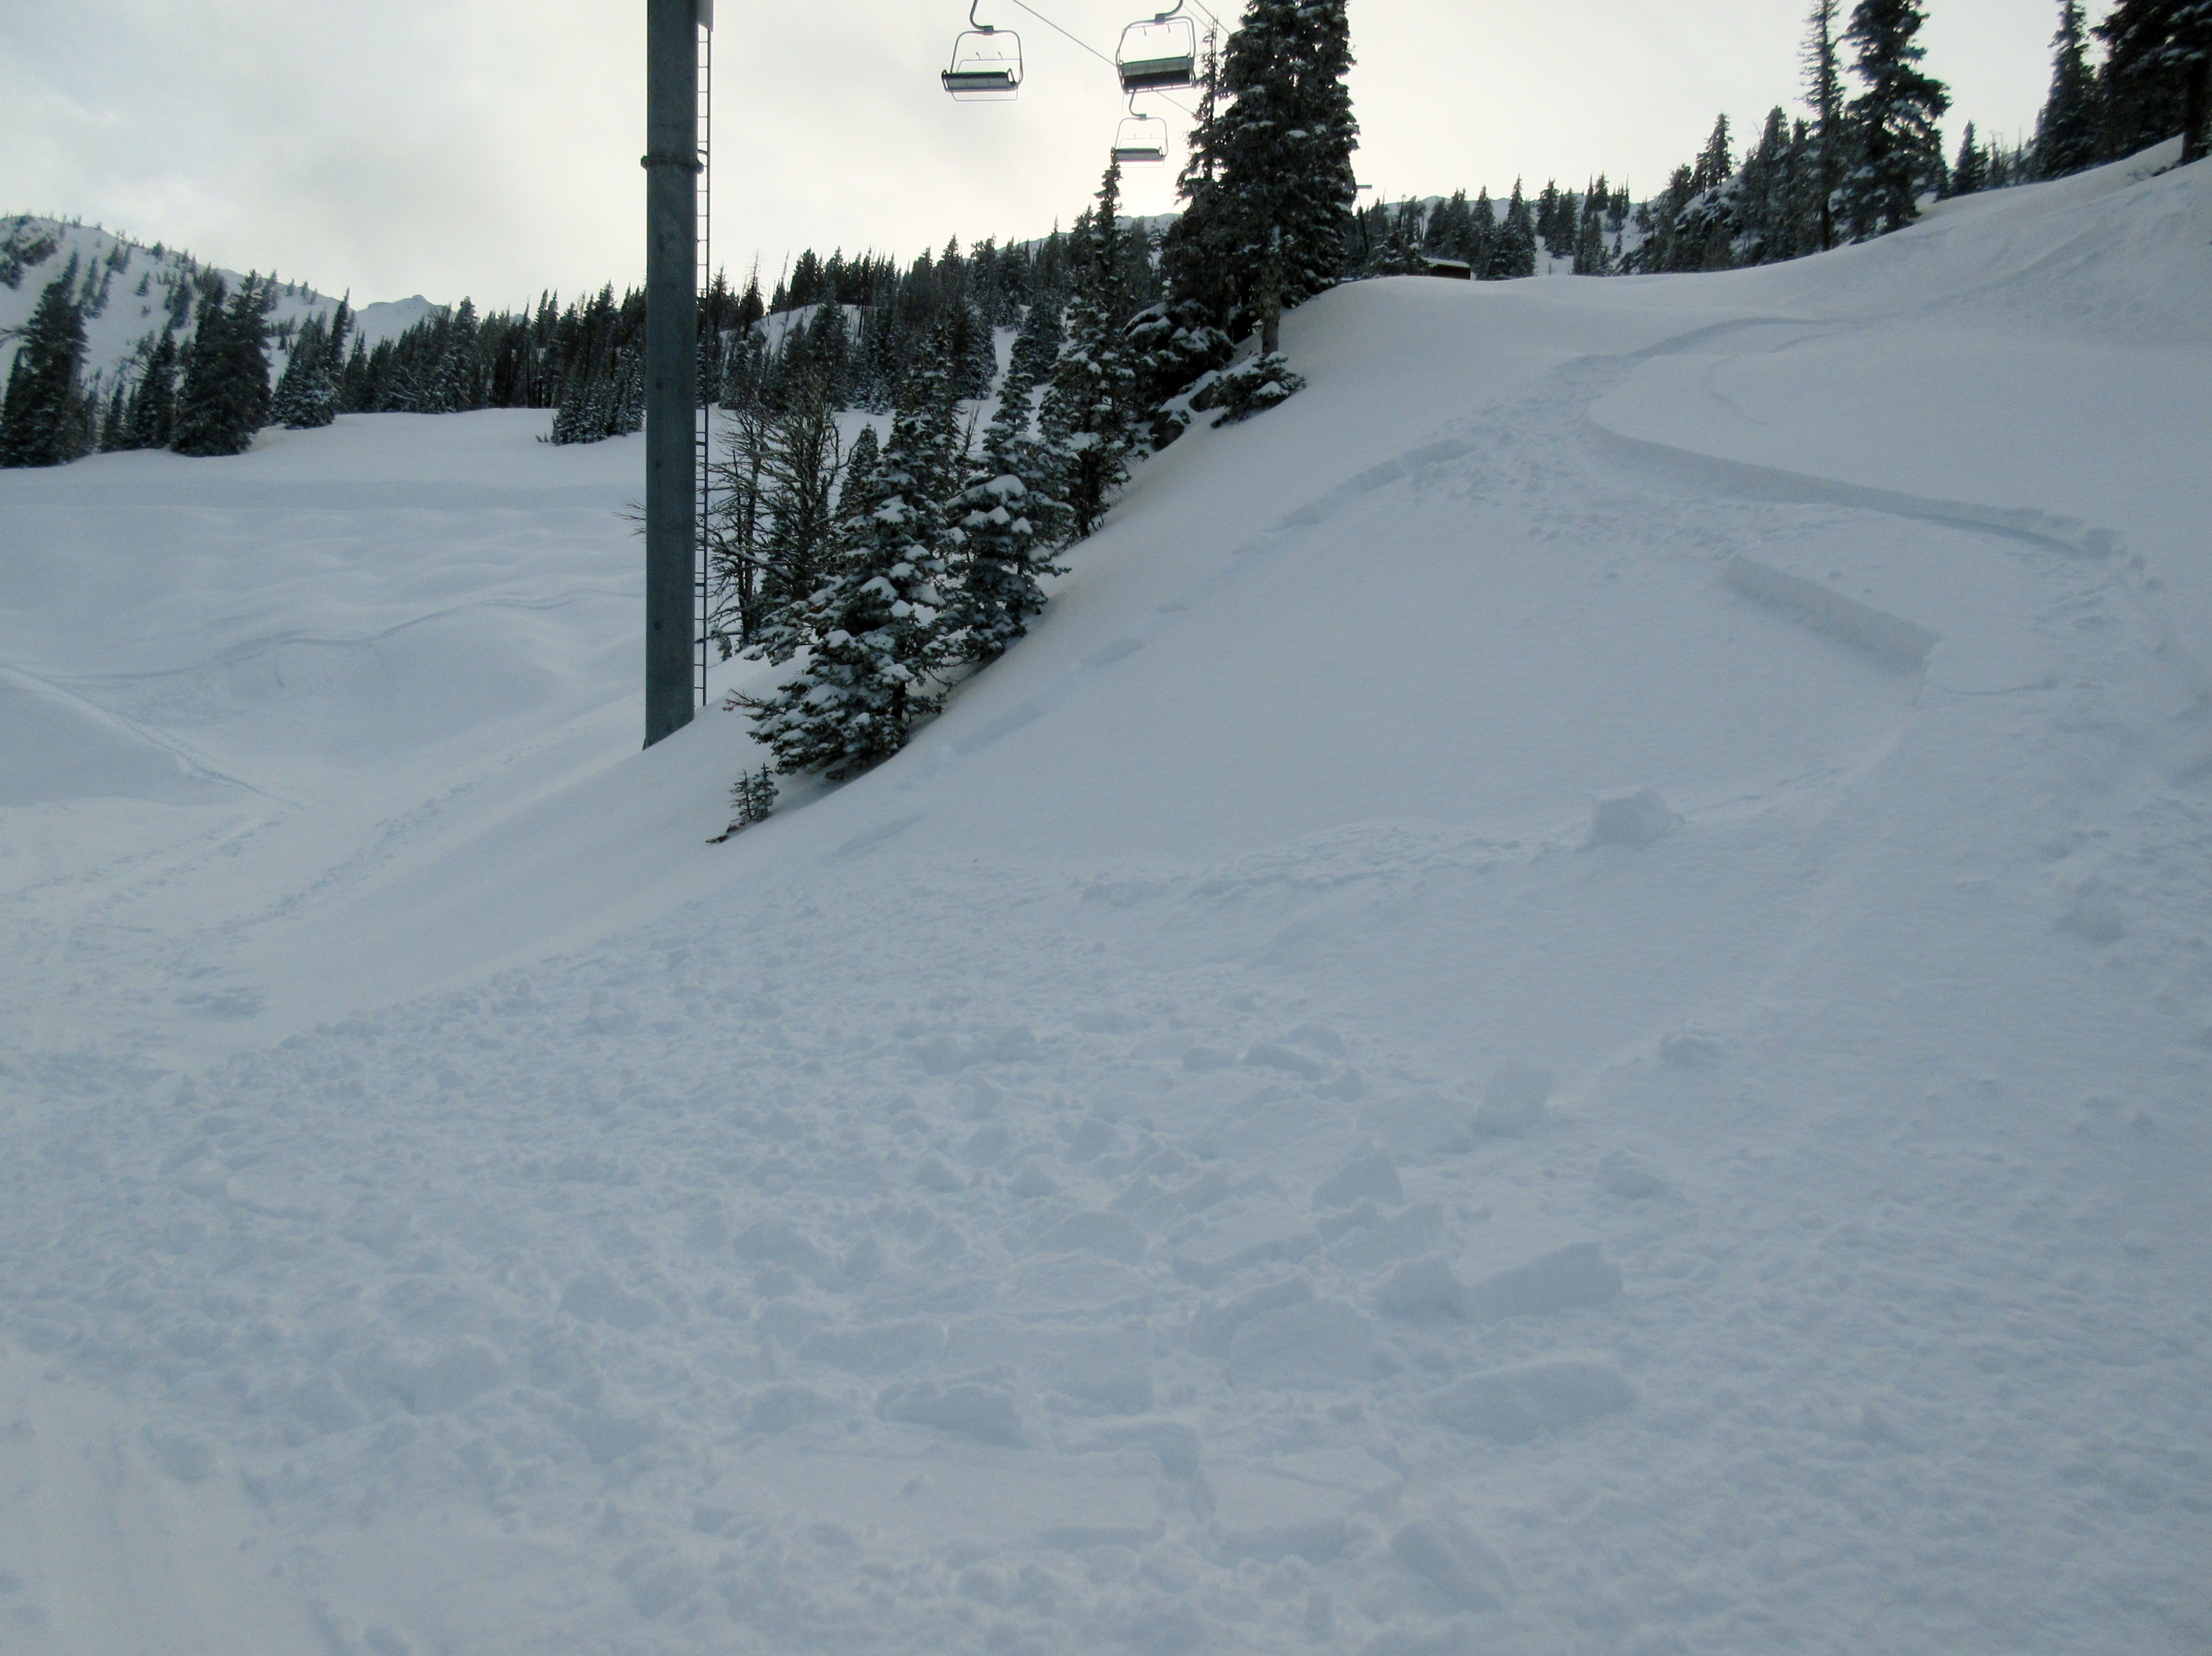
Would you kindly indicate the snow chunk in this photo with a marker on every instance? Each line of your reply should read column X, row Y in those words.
column 1513, row 1103
column 1419, row 1124
column 1321, row 1343
column 1638, row 816
column 1577, row 1274
column 1215, row 1326
column 1444, row 1553
column 965, row 1408
column 1422, row 1289
column 598, row 1298
column 2094, row 913
column 1110, row 1233
column 1511, row 1405
column 875, row 1349
column 1375, row 1176
column 1625, row 1175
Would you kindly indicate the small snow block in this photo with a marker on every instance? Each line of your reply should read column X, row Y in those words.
column 1273, row 1054
column 966, row 1409
column 1422, row 1289
column 780, row 1408
column 1688, row 1049
column 1512, row 1405
column 1109, row 1233
column 1318, row 1542
column 2094, row 914
column 1370, row 1247
column 1419, row 1124
column 1513, row 1103
column 1577, row 1274
column 1321, row 1343
column 1631, row 819
column 875, row 1348
column 1176, row 1444
column 1445, row 1553
column 1206, row 1271
column 1215, row 1326
column 1629, row 1176
column 1375, row 1176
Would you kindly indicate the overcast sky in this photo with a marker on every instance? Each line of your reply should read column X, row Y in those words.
column 489, row 147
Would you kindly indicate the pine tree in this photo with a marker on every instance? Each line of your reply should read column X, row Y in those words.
column 115, row 428
column 1899, row 149
column 1269, row 189
column 306, row 398
column 1970, row 173
column 1591, row 256
column 458, row 385
column 1824, row 96
column 1513, row 249
column 154, row 404
column 879, row 628
column 1764, row 204
column 1089, row 409
column 42, row 420
column 1011, row 520
column 2158, row 78
column 225, row 396
column 2066, row 133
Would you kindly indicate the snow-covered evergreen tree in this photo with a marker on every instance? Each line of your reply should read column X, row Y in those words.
column 2158, row 78
column 42, row 419
column 1970, row 173
column 154, row 404
column 1011, row 520
column 1513, row 248
column 1090, row 410
column 878, row 630
column 224, row 399
column 2066, row 132
column 307, row 394
column 1269, row 189
column 1900, row 150
column 1827, row 136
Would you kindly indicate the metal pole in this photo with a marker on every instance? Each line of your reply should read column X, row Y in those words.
column 671, row 361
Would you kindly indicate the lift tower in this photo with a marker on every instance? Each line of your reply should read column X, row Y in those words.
column 672, row 165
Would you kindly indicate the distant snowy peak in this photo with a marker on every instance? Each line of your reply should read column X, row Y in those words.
column 129, row 292
column 391, row 318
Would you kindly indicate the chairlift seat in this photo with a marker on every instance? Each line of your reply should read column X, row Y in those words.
column 1141, row 142
column 986, row 66
column 1157, row 74
column 980, row 81
column 1159, row 55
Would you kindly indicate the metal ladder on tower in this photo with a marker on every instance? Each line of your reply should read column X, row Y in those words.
column 702, row 457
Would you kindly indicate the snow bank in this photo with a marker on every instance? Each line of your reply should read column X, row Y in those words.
column 1202, row 1151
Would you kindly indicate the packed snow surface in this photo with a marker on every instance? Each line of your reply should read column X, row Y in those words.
column 1562, row 1005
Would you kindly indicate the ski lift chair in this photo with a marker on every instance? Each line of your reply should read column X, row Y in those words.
column 1141, row 140
column 1160, row 55
column 987, row 63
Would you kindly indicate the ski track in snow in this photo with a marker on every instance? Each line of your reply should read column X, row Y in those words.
column 1038, row 1251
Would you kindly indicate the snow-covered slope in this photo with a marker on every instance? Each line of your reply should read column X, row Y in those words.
column 1087, row 1185
column 128, row 289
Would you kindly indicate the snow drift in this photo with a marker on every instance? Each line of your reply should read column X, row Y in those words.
column 1424, row 1068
